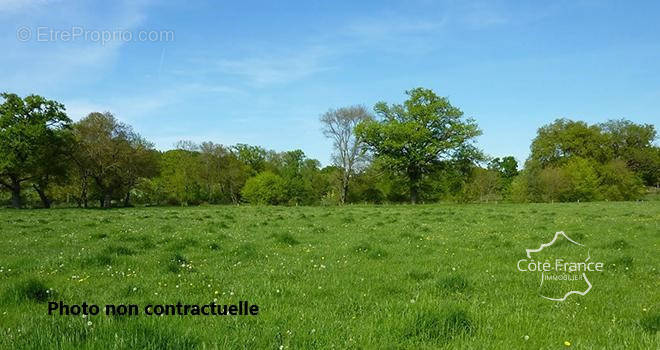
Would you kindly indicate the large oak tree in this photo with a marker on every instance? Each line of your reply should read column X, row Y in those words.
column 415, row 137
column 31, row 132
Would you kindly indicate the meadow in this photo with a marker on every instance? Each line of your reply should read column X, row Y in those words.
column 382, row 277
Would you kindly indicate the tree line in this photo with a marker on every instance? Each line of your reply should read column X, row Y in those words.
column 420, row 151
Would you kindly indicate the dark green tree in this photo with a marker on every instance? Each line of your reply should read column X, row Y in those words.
column 29, row 127
column 413, row 138
column 634, row 144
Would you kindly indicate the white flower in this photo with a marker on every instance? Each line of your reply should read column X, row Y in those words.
column 89, row 323
column 526, row 337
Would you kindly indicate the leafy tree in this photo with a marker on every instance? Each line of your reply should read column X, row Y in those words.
column 633, row 143
column 233, row 177
column 222, row 173
column 414, row 137
column 113, row 156
column 582, row 179
column 618, row 182
column 349, row 151
column 551, row 184
column 507, row 167
column 254, row 157
column 180, row 176
column 315, row 183
column 520, row 189
column 265, row 188
column 212, row 158
column 28, row 128
column 54, row 162
column 557, row 142
column 138, row 160
column 484, row 185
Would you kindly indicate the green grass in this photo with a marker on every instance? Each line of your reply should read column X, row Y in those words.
column 381, row 277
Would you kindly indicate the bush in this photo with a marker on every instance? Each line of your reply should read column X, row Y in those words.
column 583, row 180
column 265, row 188
column 619, row 183
column 484, row 186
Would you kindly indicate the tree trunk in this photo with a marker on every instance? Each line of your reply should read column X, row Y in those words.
column 16, row 193
column 42, row 195
column 414, row 194
column 415, row 178
column 344, row 189
column 127, row 199
column 83, row 192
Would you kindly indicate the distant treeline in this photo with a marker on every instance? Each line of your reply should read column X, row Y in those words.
column 420, row 151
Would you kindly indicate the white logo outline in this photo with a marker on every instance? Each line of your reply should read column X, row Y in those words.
column 545, row 245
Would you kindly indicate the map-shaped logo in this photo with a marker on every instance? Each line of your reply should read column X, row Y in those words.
column 562, row 265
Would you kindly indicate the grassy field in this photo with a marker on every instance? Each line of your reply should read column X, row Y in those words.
column 436, row 276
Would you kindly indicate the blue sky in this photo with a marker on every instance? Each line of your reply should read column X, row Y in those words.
column 262, row 72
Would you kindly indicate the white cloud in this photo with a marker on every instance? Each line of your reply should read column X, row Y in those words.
column 271, row 69
column 54, row 64
column 14, row 6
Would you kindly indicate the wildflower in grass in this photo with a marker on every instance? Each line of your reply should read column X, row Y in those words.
column 567, row 343
column 526, row 337
column 89, row 323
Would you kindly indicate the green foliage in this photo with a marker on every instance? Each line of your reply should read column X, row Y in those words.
column 484, row 186
column 413, row 138
column 112, row 157
column 265, row 188
column 619, row 183
column 572, row 161
column 563, row 139
column 32, row 142
column 582, row 181
column 507, row 167
column 634, row 143
column 422, row 150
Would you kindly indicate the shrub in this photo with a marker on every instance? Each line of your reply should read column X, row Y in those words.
column 619, row 183
column 265, row 188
